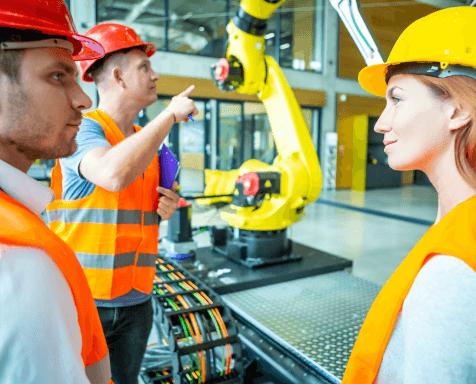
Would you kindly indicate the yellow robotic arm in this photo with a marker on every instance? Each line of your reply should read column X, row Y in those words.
column 267, row 197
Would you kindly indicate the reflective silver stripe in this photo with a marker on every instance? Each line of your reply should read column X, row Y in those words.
column 96, row 216
column 151, row 218
column 91, row 260
column 146, row 260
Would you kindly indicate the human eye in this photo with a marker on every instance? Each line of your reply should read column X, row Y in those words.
column 58, row 76
column 145, row 67
column 395, row 99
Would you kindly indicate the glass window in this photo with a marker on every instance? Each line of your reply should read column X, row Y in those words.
column 198, row 27
column 187, row 141
column 229, row 136
column 301, row 35
column 258, row 139
column 147, row 18
column 192, row 143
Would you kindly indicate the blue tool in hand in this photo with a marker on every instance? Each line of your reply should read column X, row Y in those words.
column 190, row 117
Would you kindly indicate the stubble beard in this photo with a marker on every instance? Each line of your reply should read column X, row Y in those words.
column 28, row 130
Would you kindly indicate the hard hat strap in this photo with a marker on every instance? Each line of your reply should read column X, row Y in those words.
column 48, row 43
column 434, row 69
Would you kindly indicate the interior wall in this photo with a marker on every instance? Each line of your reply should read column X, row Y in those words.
column 205, row 88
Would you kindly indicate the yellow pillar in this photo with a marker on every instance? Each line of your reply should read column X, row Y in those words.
column 359, row 166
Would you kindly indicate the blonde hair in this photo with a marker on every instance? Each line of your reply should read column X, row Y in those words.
column 461, row 89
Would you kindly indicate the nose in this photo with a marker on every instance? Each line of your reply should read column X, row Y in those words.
column 383, row 123
column 155, row 76
column 80, row 100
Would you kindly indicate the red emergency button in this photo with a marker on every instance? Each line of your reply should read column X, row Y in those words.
column 250, row 183
column 222, row 69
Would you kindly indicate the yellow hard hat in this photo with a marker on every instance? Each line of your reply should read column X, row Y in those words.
column 441, row 44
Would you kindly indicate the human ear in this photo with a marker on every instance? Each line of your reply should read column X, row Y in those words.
column 459, row 118
column 118, row 77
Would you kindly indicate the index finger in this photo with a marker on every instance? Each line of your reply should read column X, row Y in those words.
column 165, row 191
column 188, row 91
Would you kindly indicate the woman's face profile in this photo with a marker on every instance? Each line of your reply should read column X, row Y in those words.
column 414, row 124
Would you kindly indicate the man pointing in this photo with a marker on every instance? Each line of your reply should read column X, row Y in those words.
column 108, row 205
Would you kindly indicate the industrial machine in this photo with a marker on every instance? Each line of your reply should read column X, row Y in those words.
column 267, row 198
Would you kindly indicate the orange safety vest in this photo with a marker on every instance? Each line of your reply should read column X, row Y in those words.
column 454, row 235
column 19, row 227
column 114, row 234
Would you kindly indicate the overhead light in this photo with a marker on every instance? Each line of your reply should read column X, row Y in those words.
column 201, row 29
column 269, row 35
column 284, row 46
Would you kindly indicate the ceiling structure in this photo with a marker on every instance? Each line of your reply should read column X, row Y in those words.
column 198, row 26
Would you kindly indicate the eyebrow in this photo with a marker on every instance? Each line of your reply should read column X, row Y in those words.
column 69, row 69
column 390, row 91
column 145, row 61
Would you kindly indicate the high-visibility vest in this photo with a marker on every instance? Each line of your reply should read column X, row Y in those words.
column 19, row 227
column 114, row 234
column 454, row 235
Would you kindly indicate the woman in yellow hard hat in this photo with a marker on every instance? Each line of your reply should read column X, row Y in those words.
column 422, row 326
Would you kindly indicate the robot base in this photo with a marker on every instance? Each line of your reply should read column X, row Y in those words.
column 253, row 249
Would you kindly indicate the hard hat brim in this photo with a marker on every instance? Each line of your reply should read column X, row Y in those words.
column 149, row 50
column 85, row 48
column 372, row 79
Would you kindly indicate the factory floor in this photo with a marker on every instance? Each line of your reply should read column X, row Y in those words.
column 375, row 229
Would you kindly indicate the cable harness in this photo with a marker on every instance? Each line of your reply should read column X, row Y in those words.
column 198, row 339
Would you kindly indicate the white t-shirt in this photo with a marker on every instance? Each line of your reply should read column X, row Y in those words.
column 40, row 338
column 434, row 338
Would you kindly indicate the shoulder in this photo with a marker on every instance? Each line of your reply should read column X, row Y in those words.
column 443, row 293
column 444, row 272
column 90, row 127
column 438, row 321
column 89, row 123
column 31, row 274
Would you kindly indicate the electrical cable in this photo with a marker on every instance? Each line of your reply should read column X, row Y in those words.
column 194, row 325
column 197, row 327
column 195, row 334
column 206, row 368
column 217, row 317
column 214, row 314
column 182, row 319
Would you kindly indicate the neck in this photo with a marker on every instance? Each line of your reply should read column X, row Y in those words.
column 451, row 187
column 15, row 158
column 121, row 109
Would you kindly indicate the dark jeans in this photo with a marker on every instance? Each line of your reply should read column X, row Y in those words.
column 127, row 331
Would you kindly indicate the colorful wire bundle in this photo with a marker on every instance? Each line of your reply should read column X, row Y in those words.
column 194, row 325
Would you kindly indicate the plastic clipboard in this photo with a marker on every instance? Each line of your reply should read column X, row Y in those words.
column 169, row 167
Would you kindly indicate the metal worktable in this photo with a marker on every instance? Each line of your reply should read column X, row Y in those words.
column 315, row 319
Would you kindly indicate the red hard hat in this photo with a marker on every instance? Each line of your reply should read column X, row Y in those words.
column 113, row 37
column 50, row 17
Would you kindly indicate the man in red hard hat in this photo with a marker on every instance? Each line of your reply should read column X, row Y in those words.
column 108, row 207
column 50, row 330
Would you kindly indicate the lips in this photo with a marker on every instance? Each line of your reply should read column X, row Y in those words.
column 388, row 142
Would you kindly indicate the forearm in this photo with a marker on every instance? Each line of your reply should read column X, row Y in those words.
column 126, row 161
